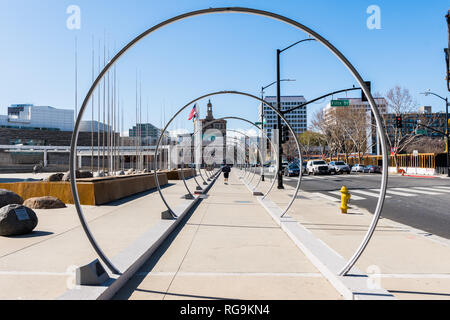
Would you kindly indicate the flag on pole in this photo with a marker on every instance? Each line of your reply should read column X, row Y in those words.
column 193, row 113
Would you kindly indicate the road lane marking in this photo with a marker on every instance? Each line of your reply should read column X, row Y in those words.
column 433, row 189
column 397, row 193
column 356, row 198
column 417, row 191
column 366, row 193
column 442, row 187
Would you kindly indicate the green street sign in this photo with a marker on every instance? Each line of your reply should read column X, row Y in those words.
column 340, row 103
column 421, row 132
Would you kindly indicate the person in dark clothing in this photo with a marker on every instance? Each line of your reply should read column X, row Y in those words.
column 226, row 172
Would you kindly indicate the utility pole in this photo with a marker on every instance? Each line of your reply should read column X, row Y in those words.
column 280, row 147
column 447, row 52
column 279, row 128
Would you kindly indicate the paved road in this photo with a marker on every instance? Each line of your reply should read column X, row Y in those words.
column 422, row 203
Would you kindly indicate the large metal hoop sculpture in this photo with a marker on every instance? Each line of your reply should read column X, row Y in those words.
column 294, row 196
column 291, row 22
column 271, row 142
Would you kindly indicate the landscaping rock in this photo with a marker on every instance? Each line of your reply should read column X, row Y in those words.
column 8, row 197
column 16, row 220
column 56, row 177
column 44, row 203
column 130, row 172
column 79, row 175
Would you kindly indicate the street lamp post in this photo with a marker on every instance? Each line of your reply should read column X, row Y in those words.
column 446, row 126
column 262, row 123
column 280, row 147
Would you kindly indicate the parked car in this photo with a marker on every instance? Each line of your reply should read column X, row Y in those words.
column 292, row 170
column 339, row 167
column 360, row 168
column 374, row 169
column 317, row 167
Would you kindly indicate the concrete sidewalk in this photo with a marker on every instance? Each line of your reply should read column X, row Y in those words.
column 229, row 248
column 409, row 263
column 42, row 264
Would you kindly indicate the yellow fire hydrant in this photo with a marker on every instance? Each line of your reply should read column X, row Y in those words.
column 345, row 198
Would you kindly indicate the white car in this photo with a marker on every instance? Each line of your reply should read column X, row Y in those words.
column 339, row 167
column 360, row 168
column 316, row 167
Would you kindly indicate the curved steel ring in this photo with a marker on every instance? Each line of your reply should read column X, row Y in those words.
column 281, row 18
column 253, row 124
column 294, row 196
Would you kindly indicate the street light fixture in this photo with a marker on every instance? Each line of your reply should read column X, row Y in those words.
column 280, row 147
column 262, row 122
column 427, row 93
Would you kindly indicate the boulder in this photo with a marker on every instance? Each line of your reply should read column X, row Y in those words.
column 56, row 177
column 79, row 175
column 44, row 203
column 8, row 197
column 130, row 172
column 16, row 220
column 85, row 175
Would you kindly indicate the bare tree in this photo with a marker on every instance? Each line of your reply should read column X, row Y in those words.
column 426, row 145
column 401, row 103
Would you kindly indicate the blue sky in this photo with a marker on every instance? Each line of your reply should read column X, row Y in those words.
column 218, row 52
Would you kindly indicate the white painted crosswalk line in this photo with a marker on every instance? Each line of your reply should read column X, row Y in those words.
column 397, row 193
column 433, row 189
column 366, row 193
column 442, row 187
column 326, row 197
column 417, row 191
column 356, row 198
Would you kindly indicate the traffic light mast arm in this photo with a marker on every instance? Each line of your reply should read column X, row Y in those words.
column 432, row 129
column 317, row 99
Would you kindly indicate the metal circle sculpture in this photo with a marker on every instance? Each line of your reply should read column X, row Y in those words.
column 294, row 196
column 252, row 124
column 268, row 14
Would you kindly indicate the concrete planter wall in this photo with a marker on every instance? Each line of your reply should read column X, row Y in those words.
column 96, row 191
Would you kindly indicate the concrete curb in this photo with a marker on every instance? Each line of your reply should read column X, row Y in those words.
column 352, row 287
column 131, row 259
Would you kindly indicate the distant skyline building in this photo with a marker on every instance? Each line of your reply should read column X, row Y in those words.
column 29, row 116
column 148, row 133
column 298, row 119
column 410, row 122
column 95, row 126
column 212, row 128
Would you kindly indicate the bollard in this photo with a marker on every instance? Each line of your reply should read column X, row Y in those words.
column 345, row 198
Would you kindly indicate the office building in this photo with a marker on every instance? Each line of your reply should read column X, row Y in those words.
column 298, row 119
column 29, row 116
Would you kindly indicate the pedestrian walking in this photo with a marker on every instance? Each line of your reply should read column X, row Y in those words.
column 226, row 172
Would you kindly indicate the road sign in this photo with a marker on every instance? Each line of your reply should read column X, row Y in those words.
column 340, row 103
column 421, row 132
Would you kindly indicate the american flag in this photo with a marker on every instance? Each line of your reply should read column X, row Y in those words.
column 193, row 113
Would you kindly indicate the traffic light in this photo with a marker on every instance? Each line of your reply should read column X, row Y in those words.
column 399, row 122
column 285, row 134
